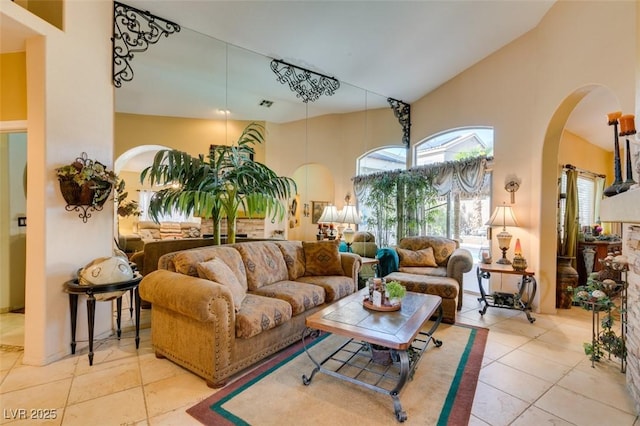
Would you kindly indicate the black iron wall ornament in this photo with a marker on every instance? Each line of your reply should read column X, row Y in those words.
column 402, row 112
column 307, row 84
column 133, row 31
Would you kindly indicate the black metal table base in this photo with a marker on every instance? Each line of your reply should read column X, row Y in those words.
column 354, row 362
column 509, row 300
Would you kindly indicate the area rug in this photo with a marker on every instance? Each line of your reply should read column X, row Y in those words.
column 441, row 392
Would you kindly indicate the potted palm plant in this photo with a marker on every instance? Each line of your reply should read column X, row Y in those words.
column 220, row 184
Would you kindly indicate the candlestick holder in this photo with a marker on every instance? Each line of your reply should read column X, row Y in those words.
column 627, row 128
column 615, row 187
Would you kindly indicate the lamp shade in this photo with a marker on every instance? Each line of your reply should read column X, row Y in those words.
column 503, row 216
column 329, row 215
column 349, row 215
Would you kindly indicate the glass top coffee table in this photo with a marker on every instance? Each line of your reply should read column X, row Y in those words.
column 383, row 347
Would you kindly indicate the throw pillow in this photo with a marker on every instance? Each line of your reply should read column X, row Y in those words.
column 422, row 257
column 322, row 258
column 218, row 271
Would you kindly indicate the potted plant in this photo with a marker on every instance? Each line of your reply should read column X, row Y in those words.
column 395, row 292
column 125, row 207
column 85, row 182
column 220, row 184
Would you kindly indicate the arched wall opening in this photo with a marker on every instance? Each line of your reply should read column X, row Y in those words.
column 549, row 183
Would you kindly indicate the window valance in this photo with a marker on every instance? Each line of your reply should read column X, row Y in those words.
column 465, row 177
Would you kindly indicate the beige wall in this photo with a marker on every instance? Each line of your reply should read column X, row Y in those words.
column 13, row 86
column 581, row 153
column 13, row 158
column 522, row 92
column 186, row 134
column 70, row 111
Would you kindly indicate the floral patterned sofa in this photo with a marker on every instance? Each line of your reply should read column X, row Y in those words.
column 219, row 309
column 433, row 265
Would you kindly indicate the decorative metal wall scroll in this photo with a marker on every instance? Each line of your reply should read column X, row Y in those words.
column 133, row 31
column 402, row 112
column 307, row 84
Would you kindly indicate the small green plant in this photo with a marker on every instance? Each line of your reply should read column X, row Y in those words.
column 395, row 290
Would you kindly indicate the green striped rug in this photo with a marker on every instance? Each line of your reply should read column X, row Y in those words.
column 440, row 393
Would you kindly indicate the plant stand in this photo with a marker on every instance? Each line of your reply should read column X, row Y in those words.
column 603, row 338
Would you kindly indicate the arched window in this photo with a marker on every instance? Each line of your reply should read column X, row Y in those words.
column 383, row 159
column 382, row 225
column 457, row 214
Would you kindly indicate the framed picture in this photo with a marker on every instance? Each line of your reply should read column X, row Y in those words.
column 317, row 207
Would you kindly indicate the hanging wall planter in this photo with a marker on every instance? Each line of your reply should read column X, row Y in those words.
column 85, row 185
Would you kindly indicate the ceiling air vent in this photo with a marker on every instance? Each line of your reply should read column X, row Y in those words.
column 265, row 103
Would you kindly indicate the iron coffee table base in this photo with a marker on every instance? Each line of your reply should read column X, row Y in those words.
column 353, row 362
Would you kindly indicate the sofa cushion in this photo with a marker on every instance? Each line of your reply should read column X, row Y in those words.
column 438, row 271
column 322, row 258
column 258, row 314
column 335, row 287
column 185, row 262
column 423, row 257
column 293, row 254
column 300, row 296
column 442, row 247
column 218, row 271
column 170, row 230
column 263, row 262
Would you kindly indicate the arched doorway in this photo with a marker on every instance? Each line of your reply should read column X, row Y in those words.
column 583, row 109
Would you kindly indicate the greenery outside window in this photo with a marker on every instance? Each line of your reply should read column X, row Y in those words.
column 458, row 215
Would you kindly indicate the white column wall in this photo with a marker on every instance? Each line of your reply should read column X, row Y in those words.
column 70, row 111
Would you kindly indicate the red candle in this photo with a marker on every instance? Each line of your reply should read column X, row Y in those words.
column 518, row 249
column 613, row 116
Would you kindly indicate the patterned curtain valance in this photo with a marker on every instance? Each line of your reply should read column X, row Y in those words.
column 465, row 176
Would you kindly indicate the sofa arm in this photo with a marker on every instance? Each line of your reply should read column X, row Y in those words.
column 193, row 297
column 351, row 264
column 460, row 262
column 138, row 259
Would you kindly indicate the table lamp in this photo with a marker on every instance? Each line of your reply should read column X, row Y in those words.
column 329, row 216
column 350, row 216
column 503, row 216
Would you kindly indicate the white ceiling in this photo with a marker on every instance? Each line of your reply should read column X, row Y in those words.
column 398, row 49
column 401, row 49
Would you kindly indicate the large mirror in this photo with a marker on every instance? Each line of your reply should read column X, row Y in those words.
column 190, row 91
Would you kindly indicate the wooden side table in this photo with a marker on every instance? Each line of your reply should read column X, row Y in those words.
column 75, row 289
column 527, row 287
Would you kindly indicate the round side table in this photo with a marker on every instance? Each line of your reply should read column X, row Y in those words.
column 90, row 290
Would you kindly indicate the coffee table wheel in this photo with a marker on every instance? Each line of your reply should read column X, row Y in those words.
column 401, row 416
column 437, row 342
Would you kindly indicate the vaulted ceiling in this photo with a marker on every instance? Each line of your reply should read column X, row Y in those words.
column 400, row 49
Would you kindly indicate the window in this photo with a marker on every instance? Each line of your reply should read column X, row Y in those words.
column 144, row 199
column 389, row 158
column 587, row 187
column 456, row 215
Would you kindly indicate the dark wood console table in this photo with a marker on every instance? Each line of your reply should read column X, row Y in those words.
column 75, row 289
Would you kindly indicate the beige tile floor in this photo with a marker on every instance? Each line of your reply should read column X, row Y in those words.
column 532, row 374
